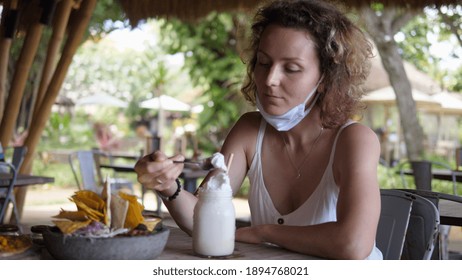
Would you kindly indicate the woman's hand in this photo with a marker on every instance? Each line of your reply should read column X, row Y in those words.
column 249, row 234
column 156, row 171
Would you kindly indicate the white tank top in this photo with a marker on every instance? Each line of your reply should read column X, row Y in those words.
column 319, row 208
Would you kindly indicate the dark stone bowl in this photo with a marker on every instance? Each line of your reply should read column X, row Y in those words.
column 141, row 247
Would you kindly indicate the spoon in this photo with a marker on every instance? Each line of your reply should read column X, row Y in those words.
column 204, row 164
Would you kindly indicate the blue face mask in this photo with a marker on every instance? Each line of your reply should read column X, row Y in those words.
column 292, row 117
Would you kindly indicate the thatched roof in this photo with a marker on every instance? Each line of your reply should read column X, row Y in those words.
column 189, row 10
column 137, row 10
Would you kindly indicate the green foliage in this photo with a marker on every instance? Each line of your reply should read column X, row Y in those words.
column 443, row 25
column 456, row 82
column 244, row 190
column 132, row 75
column 106, row 17
column 213, row 62
column 389, row 178
column 415, row 47
column 65, row 131
column 60, row 171
column 377, row 6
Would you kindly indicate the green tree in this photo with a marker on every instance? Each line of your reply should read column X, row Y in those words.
column 133, row 72
column 443, row 25
column 211, row 50
column 457, row 86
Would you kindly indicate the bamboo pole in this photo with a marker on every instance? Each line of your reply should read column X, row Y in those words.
column 63, row 12
column 74, row 38
column 23, row 66
column 9, row 19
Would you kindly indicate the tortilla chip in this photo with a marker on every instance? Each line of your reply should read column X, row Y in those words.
column 91, row 199
column 88, row 202
column 135, row 211
column 93, row 214
column 151, row 223
column 72, row 215
column 68, row 227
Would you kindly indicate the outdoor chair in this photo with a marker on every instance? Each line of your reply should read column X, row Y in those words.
column 106, row 157
column 89, row 173
column 394, row 218
column 422, row 231
column 422, row 173
column 114, row 159
column 8, row 197
column 19, row 153
column 441, row 247
column 117, row 182
column 16, row 160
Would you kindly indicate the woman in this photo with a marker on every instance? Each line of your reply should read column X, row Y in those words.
column 313, row 171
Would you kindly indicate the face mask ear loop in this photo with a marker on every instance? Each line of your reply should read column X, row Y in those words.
column 314, row 92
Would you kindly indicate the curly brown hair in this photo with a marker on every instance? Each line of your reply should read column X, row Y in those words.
column 343, row 49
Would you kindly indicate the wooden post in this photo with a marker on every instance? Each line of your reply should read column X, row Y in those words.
column 73, row 41
column 59, row 28
column 9, row 22
column 23, row 66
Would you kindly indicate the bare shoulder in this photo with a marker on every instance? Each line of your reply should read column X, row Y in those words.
column 248, row 123
column 250, row 118
column 244, row 131
column 358, row 143
column 358, row 134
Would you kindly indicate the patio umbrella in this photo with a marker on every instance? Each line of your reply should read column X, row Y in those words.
column 386, row 96
column 165, row 102
column 451, row 103
column 379, row 78
column 102, row 100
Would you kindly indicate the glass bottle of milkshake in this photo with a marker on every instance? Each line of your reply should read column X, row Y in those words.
column 214, row 215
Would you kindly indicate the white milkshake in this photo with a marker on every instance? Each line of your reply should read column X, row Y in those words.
column 214, row 216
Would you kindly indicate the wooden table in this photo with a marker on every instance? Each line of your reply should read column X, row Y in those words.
column 23, row 180
column 179, row 247
column 189, row 176
column 449, row 206
column 450, row 212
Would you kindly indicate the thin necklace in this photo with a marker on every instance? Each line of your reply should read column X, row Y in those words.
column 297, row 169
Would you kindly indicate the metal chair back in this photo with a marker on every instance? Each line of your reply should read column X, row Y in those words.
column 90, row 175
column 9, row 196
column 394, row 218
column 423, row 229
column 440, row 252
column 83, row 167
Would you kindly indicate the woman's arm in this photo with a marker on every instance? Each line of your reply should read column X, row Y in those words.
column 158, row 167
column 158, row 172
column 352, row 236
